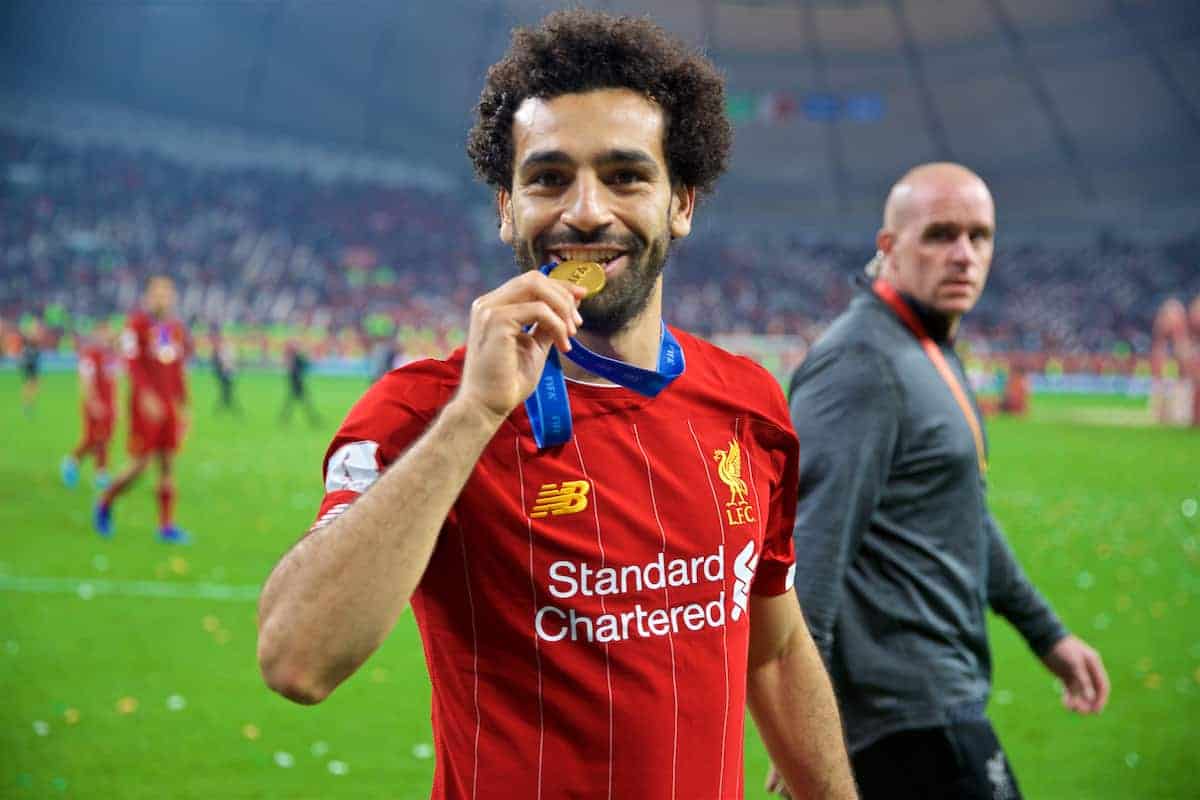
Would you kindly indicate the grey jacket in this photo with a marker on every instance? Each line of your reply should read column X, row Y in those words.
column 898, row 557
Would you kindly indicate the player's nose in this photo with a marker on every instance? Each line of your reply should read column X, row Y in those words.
column 587, row 208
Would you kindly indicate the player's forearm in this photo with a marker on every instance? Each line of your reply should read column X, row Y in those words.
column 792, row 702
column 336, row 595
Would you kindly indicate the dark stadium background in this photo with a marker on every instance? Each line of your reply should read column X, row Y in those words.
column 299, row 168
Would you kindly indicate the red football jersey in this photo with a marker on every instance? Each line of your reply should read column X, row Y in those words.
column 98, row 366
column 156, row 352
column 584, row 614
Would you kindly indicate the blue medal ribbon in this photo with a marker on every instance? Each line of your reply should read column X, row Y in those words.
column 549, row 409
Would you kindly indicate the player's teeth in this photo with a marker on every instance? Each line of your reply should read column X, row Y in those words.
column 590, row 255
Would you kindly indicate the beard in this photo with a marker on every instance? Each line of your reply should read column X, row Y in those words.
column 623, row 298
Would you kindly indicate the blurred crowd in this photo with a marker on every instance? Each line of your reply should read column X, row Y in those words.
column 80, row 230
column 1095, row 298
column 256, row 249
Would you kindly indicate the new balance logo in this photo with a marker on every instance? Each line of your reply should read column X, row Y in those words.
column 743, row 573
column 569, row 497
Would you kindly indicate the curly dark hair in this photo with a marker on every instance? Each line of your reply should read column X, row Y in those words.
column 580, row 50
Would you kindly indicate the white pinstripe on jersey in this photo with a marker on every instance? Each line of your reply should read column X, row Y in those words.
column 749, row 458
column 724, row 629
column 475, row 661
column 603, row 608
column 537, row 646
column 667, row 606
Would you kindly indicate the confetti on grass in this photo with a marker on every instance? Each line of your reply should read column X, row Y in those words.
column 319, row 749
column 251, row 731
column 176, row 702
column 338, row 767
column 71, row 716
column 127, row 705
column 284, row 759
column 422, row 751
column 41, row 727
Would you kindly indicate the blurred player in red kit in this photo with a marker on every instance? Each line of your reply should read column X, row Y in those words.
column 156, row 346
column 98, row 367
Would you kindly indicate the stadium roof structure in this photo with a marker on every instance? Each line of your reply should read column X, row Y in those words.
column 1080, row 113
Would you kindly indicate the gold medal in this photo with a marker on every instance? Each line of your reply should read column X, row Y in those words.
column 587, row 274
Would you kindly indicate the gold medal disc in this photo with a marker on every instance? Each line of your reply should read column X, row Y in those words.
column 587, row 274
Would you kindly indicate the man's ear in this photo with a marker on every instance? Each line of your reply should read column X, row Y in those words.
column 885, row 240
column 504, row 210
column 683, row 205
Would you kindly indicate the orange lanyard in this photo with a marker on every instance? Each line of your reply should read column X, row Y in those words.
column 889, row 295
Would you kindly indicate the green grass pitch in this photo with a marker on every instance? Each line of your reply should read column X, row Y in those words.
column 128, row 670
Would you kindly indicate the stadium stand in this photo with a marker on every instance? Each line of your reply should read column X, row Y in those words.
column 84, row 225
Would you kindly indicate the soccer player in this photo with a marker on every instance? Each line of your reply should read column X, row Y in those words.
column 296, row 363
column 224, row 364
column 903, row 557
column 156, row 346
column 31, row 356
column 596, row 611
column 98, row 367
column 1175, row 363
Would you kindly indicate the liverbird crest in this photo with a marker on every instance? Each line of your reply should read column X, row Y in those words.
column 729, row 470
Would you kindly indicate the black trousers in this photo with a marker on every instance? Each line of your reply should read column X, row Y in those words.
column 961, row 761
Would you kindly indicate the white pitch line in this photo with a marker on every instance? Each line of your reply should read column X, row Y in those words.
column 87, row 588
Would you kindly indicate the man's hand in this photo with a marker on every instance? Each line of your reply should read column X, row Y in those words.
column 504, row 362
column 1078, row 666
column 775, row 784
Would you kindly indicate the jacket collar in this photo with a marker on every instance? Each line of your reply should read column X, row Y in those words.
column 935, row 323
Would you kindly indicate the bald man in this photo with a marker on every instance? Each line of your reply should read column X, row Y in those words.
column 900, row 557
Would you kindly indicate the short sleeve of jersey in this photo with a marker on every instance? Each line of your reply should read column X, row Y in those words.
column 389, row 417
column 776, row 571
